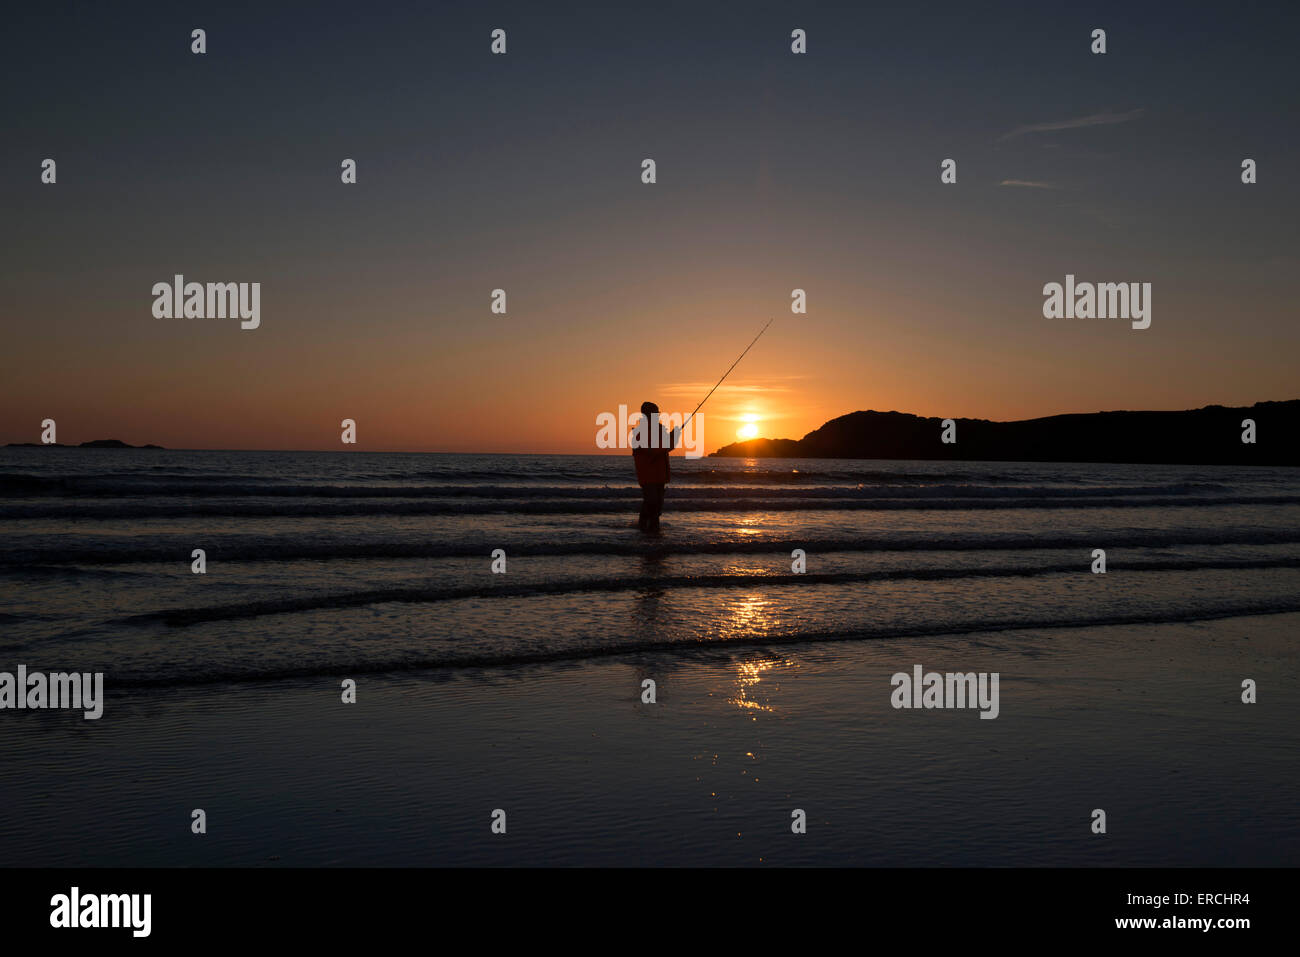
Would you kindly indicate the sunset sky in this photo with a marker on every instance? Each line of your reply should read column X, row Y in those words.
column 522, row 172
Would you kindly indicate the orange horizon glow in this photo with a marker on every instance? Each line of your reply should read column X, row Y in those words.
column 292, row 426
column 466, row 382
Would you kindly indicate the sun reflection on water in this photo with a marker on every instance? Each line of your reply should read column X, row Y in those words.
column 750, row 523
column 748, row 675
column 752, row 615
column 746, row 614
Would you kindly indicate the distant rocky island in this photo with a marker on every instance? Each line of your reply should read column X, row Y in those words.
column 1209, row 436
column 96, row 444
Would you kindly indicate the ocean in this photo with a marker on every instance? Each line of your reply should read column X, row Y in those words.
column 378, row 567
column 383, row 561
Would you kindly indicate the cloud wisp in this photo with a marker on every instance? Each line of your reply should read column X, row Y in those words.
column 1106, row 118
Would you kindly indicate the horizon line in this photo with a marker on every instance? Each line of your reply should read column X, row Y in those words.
column 606, row 454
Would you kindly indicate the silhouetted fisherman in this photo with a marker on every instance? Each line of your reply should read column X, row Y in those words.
column 651, row 443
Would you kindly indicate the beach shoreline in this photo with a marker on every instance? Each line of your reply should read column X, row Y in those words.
column 1145, row 722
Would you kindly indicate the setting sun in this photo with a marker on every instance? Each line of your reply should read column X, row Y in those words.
column 748, row 431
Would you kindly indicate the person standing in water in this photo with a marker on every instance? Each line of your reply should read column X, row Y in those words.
column 650, row 447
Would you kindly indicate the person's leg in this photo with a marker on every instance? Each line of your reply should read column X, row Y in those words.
column 643, row 522
column 656, row 496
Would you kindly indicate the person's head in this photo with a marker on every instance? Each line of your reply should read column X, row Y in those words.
column 648, row 408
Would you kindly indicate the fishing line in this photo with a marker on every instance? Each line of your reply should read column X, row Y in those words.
column 728, row 372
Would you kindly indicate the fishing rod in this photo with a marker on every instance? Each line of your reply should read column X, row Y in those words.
column 728, row 372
